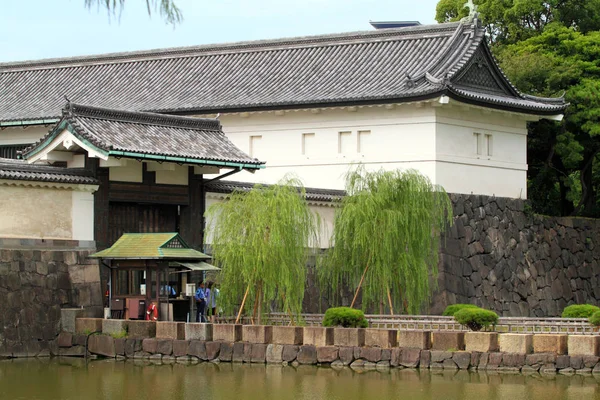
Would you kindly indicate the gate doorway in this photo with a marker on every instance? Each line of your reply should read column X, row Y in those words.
column 141, row 218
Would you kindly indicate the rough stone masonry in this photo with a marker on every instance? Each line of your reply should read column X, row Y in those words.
column 503, row 258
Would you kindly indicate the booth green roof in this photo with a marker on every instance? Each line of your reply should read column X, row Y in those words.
column 150, row 246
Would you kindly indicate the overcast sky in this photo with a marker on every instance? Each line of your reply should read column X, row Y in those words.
column 34, row 29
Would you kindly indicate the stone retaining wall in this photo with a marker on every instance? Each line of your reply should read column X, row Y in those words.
column 500, row 257
column 383, row 348
column 37, row 279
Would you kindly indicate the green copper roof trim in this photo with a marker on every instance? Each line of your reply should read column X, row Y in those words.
column 185, row 160
column 27, row 122
column 56, row 131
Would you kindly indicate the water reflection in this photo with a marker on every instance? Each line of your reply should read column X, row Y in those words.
column 68, row 379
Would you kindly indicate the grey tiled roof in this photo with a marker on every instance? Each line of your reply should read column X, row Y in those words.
column 138, row 134
column 312, row 194
column 22, row 171
column 389, row 65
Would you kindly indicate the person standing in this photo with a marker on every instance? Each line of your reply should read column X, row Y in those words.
column 208, row 296
column 200, row 297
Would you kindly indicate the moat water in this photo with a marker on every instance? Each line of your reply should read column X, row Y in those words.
column 72, row 379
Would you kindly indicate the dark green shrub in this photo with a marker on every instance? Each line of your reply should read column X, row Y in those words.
column 579, row 311
column 476, row 318
column 595, row 319
column 452, row 309
column 345, row 317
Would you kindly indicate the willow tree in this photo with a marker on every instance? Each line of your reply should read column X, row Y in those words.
column 167, row 9
column 386, row 237
column 261, row 238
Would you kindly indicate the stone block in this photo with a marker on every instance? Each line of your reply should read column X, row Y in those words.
column 287, row 335
column 539, row 359
column 197, row 349
column 441, row 340
column 132, row 346
column 349, row 337
column 383, row 338
column 414, row 339
column 371, row 354
column 180, row 348
column 141, row 329
column 75, row 351
column 226, row 352
column 515, row 343
column 514, row 360
column 583, row 345
column 318, row 336
column 238, row 352
column 247, row 357
column 114, row 326
column 346, row 355
column 550, row 343
column 199, row 331
column 438, row 356
column 259, row 353
column 102, row 345
column 88, row 325
column 290, row 352
column 274, row 354
column 65, row 339
column 68, row 316
column 307, row 355
column 262, row 334
column 120, row 347
column 164, row 346
column 483, row 342
column 212, row 350
column 327, row 354
column 149, row 345
column 410, row 357
column 227, row 332
column 170, row 330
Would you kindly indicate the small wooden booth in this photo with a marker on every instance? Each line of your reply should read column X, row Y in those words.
column 153, row 267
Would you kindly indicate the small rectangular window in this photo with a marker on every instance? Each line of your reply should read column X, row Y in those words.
column 478, row 143
column 344, row 142
column 364, row 142
column 489, row 142
column 255, row 142
column 308, row 144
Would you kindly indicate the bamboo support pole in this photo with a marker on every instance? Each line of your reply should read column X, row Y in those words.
column 237, row 319
column 389, row 295
column 362, row 278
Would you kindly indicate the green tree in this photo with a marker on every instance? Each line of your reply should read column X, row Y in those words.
column 386, row 238
column 167, row 9
column 261, row 239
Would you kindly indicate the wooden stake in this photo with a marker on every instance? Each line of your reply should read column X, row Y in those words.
column 243, row 303
column 362, row 278
column 390, row 301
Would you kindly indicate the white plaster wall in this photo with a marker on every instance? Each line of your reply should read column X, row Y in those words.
column 325, row 212
column 23, row 136
column 82, row 215
column 459, row 167
column 435, row 139
column 400, row 137
column 35, row 213
column 131, row 172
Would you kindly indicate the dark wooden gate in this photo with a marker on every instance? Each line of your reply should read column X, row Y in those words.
column 140, row 218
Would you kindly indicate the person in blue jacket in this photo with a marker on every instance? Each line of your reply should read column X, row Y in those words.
column 200, row 297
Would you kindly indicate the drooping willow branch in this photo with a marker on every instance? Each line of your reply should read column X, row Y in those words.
column 261, row 239
column 166, row 8
column 387, row 228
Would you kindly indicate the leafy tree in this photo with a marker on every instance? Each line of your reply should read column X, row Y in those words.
column 562, row 59
column 386, row 238
column 166, row 8
column 260, row 238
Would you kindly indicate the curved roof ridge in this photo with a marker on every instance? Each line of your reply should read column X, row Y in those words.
column 258, row 45
column 150, row 118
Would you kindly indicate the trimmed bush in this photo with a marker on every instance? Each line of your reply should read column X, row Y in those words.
column 595, row 319
column 453, row 308
column 579, row 311
column 476, row 318
column 345, row 317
